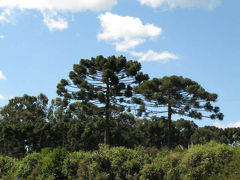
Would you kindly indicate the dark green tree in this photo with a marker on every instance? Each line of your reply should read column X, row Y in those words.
column 176, row 95
column 206, row 134
column 22, row 124
column 185, row 130
column 152, row 133
column 232, row 135
column 105, row 82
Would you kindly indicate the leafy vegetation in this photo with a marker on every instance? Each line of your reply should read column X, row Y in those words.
column 110, row 101
column 200, row 162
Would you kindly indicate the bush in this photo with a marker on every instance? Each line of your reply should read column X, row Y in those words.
column 211, row 161
column 106, row 163
column 152, row 172
column 231, row 171
column 126, row 163
column 71, row 164
column 202, row 161
column 52, row 165
column 7, row 164
column 95, row 165
column 28, row 166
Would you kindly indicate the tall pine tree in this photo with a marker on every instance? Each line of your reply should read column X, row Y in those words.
column 105, row 82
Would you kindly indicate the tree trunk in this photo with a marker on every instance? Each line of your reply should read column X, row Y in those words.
column 107, row 116
column 169, row 127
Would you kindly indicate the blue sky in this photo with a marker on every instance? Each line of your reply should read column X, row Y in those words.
column 40, row 40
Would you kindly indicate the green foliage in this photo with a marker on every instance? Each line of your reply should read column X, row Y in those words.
column 108, row 163
column 45, row 151
column 185, row 97
column 7, row 164
column 176, row 95
column 152, row 133
column 202, row 161
column 106, row 83
column 230, row 170
column 95, row 107
column 72, row 162
column 206, row 134
column 126, row 163
column 22, row 125
column 52, row 164
column 28, row 167
column 152, row 172
column 184, row 130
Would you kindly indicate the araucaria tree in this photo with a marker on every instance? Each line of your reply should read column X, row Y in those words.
column 176, row 95
column 105, row 82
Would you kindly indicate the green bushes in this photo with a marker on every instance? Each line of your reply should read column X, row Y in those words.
column 201, row 162
column 52, row 163
column 152, row 171
column 6, row 165
column 106, row 163
column 28, row 166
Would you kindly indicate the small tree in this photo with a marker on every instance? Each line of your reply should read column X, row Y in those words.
column 176, row 95
column 105, row 82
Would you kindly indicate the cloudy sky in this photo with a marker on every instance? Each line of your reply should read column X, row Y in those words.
column 40, row 40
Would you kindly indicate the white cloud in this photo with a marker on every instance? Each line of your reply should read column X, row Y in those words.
column 54, row 22
column 125, row 32
column 2, row 36
column 208, row 4
column 2, row 97
column 5, row 15
column 230, row 125
column 53, row 6
column 2, row 76
column 150, row 55
column 59, row 5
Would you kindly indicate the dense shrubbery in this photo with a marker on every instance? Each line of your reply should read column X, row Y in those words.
column 210, row 161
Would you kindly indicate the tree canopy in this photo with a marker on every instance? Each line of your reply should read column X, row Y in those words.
column 176, row 95
column 97, row 104
column 106, row 82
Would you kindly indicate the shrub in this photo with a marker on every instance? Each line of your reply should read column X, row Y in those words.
column 27, row 165
column 202, row 161
column 71, row 164
column 7, row 164
column 52, row 165
column 126, row 163
column 151, row 172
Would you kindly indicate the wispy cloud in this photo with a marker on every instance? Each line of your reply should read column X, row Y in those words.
column 62, row 5
column 2, row 76
column 53, row 6
column 125, row 32
column 151, row 55
column 230, row 125
column 2, row 36
column 5, row 15
column 2, row 97
column 54, row 22
column 207, row 4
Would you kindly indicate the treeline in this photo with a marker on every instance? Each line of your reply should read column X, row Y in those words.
column 110, row 101
column 28, row 125
column 201, row 162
